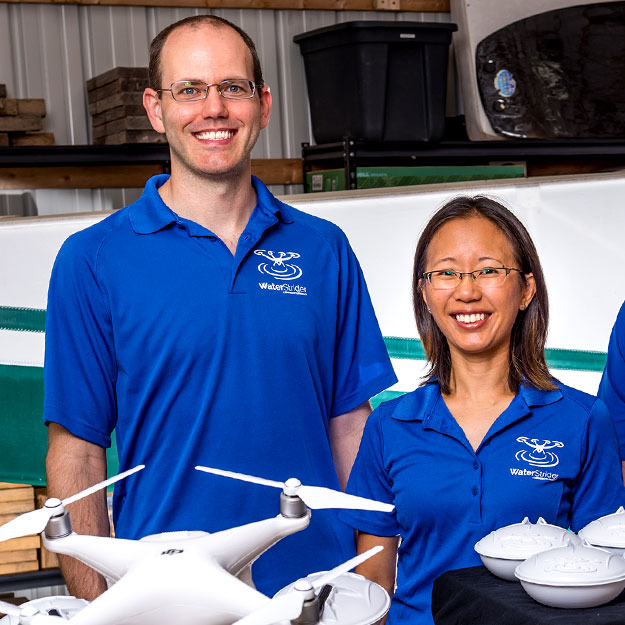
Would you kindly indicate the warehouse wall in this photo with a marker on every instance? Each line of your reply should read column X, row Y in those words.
column 49, row 51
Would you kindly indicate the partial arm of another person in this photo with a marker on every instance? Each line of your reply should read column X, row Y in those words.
column 345, row 434
column 382, row 567
column 73, row 464
column 612, row 387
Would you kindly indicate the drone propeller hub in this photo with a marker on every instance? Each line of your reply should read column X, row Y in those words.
column 53, row 502
column 303, row 585
column 291, row 486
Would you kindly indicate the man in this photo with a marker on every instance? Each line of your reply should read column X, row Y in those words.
column 208, row 323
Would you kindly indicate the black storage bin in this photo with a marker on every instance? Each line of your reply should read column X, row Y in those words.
column 377, row 81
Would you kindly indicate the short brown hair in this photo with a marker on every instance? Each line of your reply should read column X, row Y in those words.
column 156, row 47
column 529, row 332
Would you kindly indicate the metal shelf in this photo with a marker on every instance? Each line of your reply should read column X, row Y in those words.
column 541, row 156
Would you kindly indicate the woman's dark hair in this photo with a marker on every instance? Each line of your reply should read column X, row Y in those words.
column 156, row 47
column 529, row 332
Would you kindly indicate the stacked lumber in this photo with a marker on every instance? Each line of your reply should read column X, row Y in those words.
column 21, row 121
column 116, row 106
column 18, row 555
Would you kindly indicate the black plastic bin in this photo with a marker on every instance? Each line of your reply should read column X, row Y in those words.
column 377, row 81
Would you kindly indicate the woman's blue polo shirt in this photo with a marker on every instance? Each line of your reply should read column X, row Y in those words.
column 549, row 454
column 196, row 356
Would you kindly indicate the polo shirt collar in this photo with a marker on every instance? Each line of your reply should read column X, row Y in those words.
column 421, row 406
column 150, row 214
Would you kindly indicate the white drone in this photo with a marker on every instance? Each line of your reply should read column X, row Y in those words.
column 187, row 578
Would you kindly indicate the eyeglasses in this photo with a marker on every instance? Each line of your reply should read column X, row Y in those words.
column 192, row 90
column 486, row 277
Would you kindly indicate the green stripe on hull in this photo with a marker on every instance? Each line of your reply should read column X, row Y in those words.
column 22, row 319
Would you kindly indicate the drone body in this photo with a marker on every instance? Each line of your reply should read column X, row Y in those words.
column 187, row 578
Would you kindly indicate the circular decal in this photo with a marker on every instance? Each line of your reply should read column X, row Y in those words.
column 505, row 83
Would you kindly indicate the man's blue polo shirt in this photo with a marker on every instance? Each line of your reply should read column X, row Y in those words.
column 612, row 386
column 198, row 357
column 550, row 454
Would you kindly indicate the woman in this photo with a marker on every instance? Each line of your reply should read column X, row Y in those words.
column 490, row 437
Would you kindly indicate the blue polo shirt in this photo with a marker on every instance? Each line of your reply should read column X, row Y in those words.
column 612, row 386
column 196, row 356
column 550, row 454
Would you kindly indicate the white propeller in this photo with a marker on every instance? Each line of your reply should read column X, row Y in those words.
column 289, row 605
column 29, row 615
column 315, row 497
column 35, row 522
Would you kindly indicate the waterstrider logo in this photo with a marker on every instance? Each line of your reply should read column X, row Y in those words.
column 279, row 267
column 538, row 455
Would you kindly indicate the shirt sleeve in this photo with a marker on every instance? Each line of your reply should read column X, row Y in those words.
column 612, row 386
column 369, row 478
column 599, row 488
column 362, row 367
column 79, row 366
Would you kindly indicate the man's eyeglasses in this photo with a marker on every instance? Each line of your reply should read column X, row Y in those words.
column 486, row 277
column 192, row 90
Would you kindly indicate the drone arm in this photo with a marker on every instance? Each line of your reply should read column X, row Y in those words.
column 238, row 547
column 110, row 557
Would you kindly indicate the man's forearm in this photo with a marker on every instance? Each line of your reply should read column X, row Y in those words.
column 71, row 466
column 345, row 434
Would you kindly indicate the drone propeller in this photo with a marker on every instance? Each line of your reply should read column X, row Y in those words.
column 289, row 605
column 35, row 522
column 29, row 615
column 315, row 497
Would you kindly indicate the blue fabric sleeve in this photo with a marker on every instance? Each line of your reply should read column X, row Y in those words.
column 362, row 367
column 369, row 478
column 79, row 368
column 599, row 488
column 612, row 386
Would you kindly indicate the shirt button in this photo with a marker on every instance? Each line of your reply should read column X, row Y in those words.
column 474, row 490
column 476, row 466
column 246, row 237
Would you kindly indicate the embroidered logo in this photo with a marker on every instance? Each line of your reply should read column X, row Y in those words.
column 279, row 267
column 539, row 454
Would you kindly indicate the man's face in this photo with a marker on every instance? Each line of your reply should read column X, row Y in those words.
column 213, row 136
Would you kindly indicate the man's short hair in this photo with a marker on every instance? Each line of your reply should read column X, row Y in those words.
column 156, row 47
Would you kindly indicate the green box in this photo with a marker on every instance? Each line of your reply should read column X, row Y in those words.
column 376, row 177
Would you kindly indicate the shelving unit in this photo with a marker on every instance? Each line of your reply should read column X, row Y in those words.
column 541, row 157
column 110, row 166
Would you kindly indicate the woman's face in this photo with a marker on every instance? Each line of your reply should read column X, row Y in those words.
column 476, row 320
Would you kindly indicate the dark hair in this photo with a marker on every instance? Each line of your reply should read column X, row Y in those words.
column 529, row 332
column 156, row 47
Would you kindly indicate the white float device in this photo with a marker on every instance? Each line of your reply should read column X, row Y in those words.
column 575, row 576
column 351, row 600
column 504, row 549
column 608, row 532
